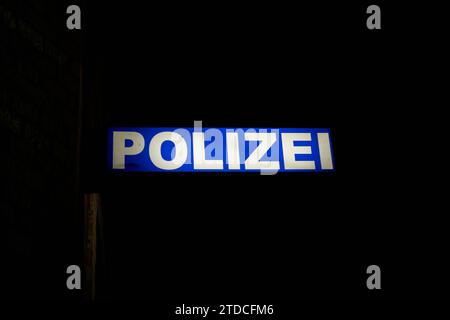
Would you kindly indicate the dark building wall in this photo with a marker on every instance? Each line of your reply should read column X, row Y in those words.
column 39, row 105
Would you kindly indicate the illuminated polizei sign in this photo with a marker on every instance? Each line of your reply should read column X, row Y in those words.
column 200, row 149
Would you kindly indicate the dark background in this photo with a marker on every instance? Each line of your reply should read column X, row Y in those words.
column 40, row 221
column 178, row 236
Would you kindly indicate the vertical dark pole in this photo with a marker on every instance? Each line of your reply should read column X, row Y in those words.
column 90, row 147
column 88, row 202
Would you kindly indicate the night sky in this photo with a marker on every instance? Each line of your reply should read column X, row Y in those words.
column 187, row 236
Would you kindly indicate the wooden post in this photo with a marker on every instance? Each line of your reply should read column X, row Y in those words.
column 91, row 213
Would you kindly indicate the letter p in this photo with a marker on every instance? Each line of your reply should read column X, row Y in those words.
column 120, row 150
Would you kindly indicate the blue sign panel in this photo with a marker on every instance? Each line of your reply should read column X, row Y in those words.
column 219, row 149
